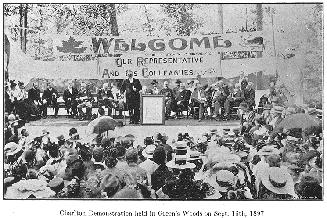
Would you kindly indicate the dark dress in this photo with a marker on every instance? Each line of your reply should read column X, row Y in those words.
column 160, row 176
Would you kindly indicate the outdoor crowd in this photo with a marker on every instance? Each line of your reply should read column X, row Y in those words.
column 275, row 154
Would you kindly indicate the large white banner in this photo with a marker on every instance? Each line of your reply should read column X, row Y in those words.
column 86, row 48
column 86, row 57
column 160, row 66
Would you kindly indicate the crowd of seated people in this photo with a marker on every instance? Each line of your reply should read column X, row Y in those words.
column 253, row 161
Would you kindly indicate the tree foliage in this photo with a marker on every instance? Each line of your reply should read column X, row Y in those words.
column 94, row 19
column 300, row 68
column 10, row 9
column 185, row 22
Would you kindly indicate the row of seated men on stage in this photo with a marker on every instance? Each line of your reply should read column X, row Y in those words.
column 215, row 101
column 32, row 103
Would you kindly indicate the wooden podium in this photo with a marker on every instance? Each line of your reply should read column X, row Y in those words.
column 152, row 110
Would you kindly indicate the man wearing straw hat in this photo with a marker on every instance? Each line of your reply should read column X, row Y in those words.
column 276, row 116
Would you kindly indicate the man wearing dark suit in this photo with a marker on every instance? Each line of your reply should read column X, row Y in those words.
column 169, row 98
column 182, row 98
column 34, row 94
column 233, row 100
column 34, row 98
column 132, row 87
column 70, row 98
column 49, row 98
column 219, row 96
column 249, row 95
column 84, row 99
column 106, row 98
column 176, row 88
column 199, row 100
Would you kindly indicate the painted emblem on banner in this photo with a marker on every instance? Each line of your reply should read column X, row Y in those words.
column 71, row 46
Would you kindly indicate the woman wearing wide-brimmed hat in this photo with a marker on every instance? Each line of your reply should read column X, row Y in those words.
column 224, row 183
column 276, row 184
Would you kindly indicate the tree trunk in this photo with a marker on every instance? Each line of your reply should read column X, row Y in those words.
column 113, row 20
column 184, row 28
column 259, row 17
column 259, row 82
column 23, row 25
column 221, row 31
column 220, row 19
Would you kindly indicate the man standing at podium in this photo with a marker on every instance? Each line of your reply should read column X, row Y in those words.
column 132, row 87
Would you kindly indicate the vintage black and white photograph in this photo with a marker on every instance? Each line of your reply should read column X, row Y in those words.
column 183, row 101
